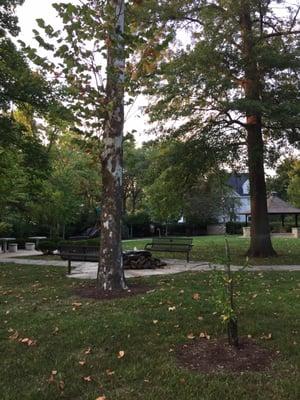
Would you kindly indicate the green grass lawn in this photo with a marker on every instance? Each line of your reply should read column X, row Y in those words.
column 37, row 302
column 211, row 248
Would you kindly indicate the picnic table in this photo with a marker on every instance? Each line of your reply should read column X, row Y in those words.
column 37, row 239
column 4, row 241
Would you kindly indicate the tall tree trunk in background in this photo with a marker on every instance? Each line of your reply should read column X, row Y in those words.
column 110, row 271
column 260, row 245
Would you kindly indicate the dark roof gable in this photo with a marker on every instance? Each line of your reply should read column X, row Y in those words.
column 236, row 181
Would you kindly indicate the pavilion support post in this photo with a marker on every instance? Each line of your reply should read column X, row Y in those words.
column 296, row 220
column 246, row 219
column 282, row 220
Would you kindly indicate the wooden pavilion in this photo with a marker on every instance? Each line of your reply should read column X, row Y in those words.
column 277, row 206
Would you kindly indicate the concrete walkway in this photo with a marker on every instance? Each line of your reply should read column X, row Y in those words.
column 88, row 270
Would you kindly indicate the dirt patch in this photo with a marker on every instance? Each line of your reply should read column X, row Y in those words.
column 91, row 292
column 216, row 356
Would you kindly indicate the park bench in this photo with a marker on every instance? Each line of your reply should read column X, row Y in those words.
column 133, row 259
column 78, row 253
column 171, row 244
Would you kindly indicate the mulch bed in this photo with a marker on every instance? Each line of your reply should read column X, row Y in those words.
column 216, row 356
column 91, row 292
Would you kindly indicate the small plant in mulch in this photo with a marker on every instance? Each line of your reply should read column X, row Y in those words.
column 216, row 356
column 224, row 283
column 233, row 354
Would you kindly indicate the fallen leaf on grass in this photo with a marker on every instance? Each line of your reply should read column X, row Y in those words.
column 52, row 376
column 101, row 398
column 196, row 296
column 172, row 308
column 87, row 378
column 14, row 336
column 121, row 354
column 76, row 304
column 155, row 321
column 88, row 351
column 82, row 363
column 28, row 342
column 191, row 336
column 151, row 291
column 109, row 372
column 55, row 332
column 266, row 337
column 204, row 335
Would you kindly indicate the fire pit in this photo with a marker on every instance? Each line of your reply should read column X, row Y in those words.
column 141, row 259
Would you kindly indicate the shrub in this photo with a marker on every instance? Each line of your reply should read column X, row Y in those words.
column 21, row 243
column 136, row 225
column 87, row 242
column 234, row 228
column 47, row 246
column 276, row 227
column 5, row 228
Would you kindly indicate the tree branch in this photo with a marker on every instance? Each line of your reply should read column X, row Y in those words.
column 295, row 18
column 284, row 33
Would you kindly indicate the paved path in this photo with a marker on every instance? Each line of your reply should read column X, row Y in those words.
column 88, row 270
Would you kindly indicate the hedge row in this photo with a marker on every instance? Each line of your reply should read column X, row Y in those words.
column 49, row 246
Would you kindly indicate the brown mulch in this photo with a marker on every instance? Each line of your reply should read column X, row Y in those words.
column 216, row 356
column 91, row 292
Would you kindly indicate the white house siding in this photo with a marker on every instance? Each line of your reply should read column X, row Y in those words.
column 241, row 205
column 244, row 206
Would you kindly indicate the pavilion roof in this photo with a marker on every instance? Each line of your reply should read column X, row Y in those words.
column 278, row 206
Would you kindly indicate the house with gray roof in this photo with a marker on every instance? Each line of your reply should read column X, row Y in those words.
column 240, row 196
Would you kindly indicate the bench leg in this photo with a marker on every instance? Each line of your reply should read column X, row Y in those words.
column 69, row 267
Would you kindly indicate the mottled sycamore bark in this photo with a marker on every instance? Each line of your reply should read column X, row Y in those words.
column 260, row 245
column 110, row 271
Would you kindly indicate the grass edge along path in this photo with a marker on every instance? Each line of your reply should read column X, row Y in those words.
column 211, row 249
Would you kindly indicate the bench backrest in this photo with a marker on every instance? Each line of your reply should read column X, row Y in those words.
column 172, row 240
column 85, row 253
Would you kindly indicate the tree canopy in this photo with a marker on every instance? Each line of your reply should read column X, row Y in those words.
column 237, row 84
column 222, row 80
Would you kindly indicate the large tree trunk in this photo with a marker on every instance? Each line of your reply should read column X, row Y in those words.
column 110, row 271
column 260, row 245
